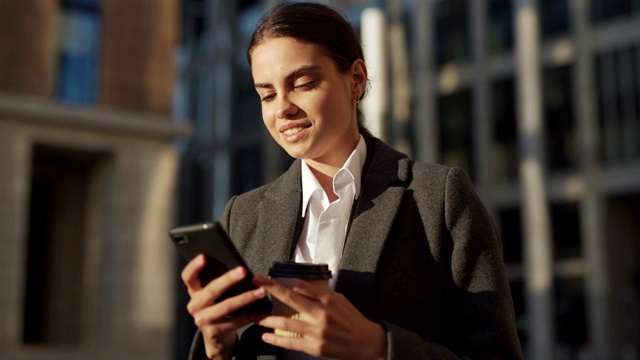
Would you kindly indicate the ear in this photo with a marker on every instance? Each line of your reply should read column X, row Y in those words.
column 359, row 76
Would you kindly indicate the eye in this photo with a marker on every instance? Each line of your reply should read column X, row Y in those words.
column 267, row 97
column 306, row 85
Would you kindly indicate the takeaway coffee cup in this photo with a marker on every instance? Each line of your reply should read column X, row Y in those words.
column 285, row 272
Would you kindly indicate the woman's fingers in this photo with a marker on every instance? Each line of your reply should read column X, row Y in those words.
column 309, row 342
column 219, row 339
column 291, row 298
column 229, row 306
column 212, row 315
column 215, row 330
column 328, row 323
column 290, row 343
column 310, row 291
column 190, row 273
column 207, row 296
column 289, row 325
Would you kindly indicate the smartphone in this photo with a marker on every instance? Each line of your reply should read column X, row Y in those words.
column 211, row 240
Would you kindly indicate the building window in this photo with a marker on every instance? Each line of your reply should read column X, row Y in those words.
column 247, row 173
column 510, row 224
column 248, row 110
column 570, row 317
column 554, row 17
column 456, row 129
column 560, row 128
column 504, row 147
column 605, row 9
column 622, row 230
column 193, row 25
column 566, row 231
column 194, row 91
column 500, row 26
column 78, row 51
column 618, row 87
column 247, row 114
column 452, row 32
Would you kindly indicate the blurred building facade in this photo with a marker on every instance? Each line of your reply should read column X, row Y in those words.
column 88, row 173
column 496, row 87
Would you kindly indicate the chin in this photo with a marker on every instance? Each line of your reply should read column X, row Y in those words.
column 296, row 152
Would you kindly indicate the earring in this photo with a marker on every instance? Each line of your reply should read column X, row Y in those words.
column 358, row 101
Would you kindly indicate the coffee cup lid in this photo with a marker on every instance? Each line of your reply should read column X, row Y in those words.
column 305, row 271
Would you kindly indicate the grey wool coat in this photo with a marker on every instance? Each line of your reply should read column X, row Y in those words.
column 422, row 257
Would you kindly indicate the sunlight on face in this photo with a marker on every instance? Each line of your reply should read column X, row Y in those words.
column 308, row 106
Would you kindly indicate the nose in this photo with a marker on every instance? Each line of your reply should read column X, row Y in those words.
column 286, row 108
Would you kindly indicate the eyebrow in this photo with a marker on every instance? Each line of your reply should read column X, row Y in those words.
column 292, row 75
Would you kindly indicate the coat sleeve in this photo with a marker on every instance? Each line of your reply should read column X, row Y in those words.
column 249, row 345
column 478, row 304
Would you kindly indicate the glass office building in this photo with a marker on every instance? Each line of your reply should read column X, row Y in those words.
column 472, row 90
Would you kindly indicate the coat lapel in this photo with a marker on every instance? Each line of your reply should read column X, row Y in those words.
column 383, row 186
column 278, row 220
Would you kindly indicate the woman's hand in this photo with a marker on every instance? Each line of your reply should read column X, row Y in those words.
column 330, row 326
column 214, row 319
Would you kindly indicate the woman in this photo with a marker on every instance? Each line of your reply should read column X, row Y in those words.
column 415, row 256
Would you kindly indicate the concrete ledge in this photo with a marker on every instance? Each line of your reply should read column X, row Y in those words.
column 47, row 111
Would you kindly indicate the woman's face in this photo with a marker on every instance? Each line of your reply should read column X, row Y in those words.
column 308, row 106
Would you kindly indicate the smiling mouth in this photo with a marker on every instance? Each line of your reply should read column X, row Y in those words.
column 295, row 130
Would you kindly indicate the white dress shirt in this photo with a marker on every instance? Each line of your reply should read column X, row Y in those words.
column 325, row 224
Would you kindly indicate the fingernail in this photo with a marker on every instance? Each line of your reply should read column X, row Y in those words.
column 200, row 260
column 259, row 293
column 267, row 337
column 239, row 272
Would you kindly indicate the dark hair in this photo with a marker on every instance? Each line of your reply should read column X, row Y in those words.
column 316, row 24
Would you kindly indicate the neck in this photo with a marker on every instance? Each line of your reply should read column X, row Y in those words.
column 324, row 171
column 326, row 181
column 331, row 163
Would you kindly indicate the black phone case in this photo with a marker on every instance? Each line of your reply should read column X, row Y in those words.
column 211, row 240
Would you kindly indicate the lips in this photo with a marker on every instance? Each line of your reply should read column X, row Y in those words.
column 293, row 132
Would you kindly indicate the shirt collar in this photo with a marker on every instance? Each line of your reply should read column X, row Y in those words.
column 352, row 166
